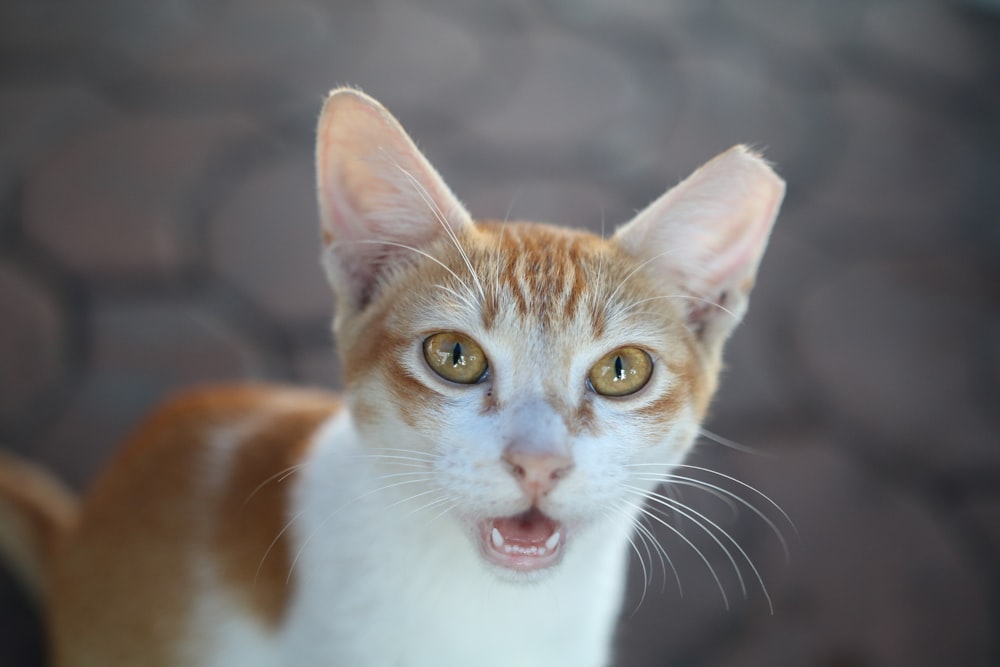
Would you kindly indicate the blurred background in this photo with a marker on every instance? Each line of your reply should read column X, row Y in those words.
column 158, row 229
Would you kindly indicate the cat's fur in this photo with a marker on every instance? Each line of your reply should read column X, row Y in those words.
column 256, row 526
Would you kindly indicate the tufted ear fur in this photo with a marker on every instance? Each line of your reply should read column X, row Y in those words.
column 379, row 197
column 705, row 237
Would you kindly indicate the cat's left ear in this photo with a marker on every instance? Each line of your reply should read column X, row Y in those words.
column 704, row 238
column 380, row 200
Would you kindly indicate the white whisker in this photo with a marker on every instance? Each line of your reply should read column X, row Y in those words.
column 333, row 513
column 654, row 517
column 646, row 577
column 665, row 559
column 280, row 476
column 673, row 478
column 394, row 244
column 687, row 512
column 634, row 271
column 689, row 297
column 732, row 444
column 443, row 221
column 260, row 565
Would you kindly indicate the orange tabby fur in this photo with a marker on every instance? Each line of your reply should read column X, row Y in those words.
column 145, row 545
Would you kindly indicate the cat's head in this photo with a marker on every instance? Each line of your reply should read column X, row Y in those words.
column 527, row 376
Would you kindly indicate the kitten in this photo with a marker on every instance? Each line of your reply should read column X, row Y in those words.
column 513, row 393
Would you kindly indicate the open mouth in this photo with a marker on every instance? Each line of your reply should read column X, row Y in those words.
column 525, row 542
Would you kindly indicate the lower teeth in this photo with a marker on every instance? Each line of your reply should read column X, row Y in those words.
column 524, row 551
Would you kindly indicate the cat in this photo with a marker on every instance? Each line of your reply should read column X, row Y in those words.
column 513, row 393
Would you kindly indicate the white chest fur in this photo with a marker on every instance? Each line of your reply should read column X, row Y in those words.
column 381, row 585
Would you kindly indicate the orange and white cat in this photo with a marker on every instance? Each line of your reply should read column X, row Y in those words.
column 513, row 392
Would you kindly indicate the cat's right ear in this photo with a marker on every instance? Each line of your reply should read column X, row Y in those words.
column 379, row 197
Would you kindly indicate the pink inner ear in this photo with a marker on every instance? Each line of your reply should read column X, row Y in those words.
column 378, row 194
column 708, row 233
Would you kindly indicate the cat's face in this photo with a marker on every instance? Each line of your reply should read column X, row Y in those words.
column 549, row 343
column 521, row 379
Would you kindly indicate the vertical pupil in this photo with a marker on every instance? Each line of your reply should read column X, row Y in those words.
column 619, row 369
column 456, row 354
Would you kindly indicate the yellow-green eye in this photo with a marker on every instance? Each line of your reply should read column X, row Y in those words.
column 623, row 372
column 455, row 357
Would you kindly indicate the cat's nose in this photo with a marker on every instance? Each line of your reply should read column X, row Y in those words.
column 537, row 472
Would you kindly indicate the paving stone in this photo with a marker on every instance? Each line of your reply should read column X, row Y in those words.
column 103, row 32
column 809, row 27
column 763, row 379
column 984, row 515
column 142, row 351
column 900, row 171
column 412, row 59
column 573, row 89
column 21, row 635
column 642, row 12
column 262, row 44
column 906, row 31
column 318, row 367
column 564, row 202
column 730, row 98
column 896, row 349
column 877, row 579
column 32, row 337
column 111, row 200
column 35, row 120
column 265, row 241
column 874, row 577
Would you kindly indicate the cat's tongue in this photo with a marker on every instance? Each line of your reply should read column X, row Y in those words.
column 528, row 541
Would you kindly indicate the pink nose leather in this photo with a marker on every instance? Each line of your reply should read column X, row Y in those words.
column 537, row 473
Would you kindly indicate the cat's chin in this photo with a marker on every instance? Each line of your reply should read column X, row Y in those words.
column 530, row 542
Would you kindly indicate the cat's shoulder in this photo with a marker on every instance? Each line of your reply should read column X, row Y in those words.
column 218, row 434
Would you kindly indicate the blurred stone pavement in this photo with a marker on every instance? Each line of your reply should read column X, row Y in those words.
column 158, row 229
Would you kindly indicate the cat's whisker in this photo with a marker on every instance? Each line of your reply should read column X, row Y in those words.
column 732, row 444
column 510, row 206
column 334, row 512
column 277, row 477
column 729, row 497
column 421, row 191
column 452, row 505
column 401, row 450
column 270, row 547
column 690, row 513
column 637, row 269
column 664, row 557
column 413, row 473
column 689, row 297
column 330, row 248
column 684, row 538
column 449, row 504
column 401, row 501
column 672, row 484
column 646, row 577
column 498, row 263
column 461, row 298
column 395, row 459
column 673, row 478
column 686, row 512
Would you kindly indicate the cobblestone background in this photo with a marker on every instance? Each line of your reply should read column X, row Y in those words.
column 158, row 228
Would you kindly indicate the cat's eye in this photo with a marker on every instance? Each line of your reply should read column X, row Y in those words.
column 455, row 357
column 622, row 372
